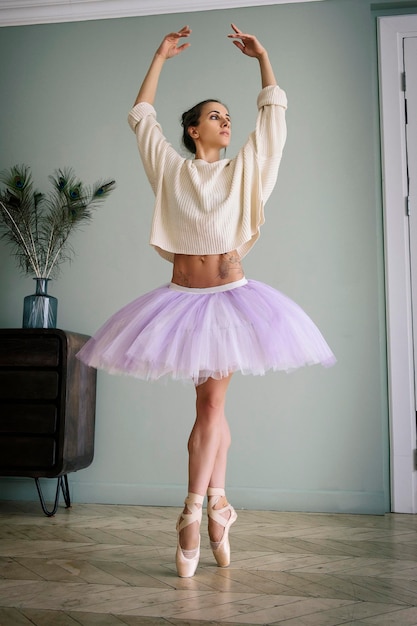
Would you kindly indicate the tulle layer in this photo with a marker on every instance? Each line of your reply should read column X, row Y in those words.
column 252, row 329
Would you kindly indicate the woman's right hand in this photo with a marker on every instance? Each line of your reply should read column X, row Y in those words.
column 169, row 46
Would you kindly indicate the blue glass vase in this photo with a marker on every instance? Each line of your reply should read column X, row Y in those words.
column 40, row 309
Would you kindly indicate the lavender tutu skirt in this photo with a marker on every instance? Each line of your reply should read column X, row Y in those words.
column 194, row 334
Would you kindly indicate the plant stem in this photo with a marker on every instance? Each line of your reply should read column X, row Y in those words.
column 31, row 253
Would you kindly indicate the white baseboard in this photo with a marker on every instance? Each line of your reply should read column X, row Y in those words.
column 369, row 503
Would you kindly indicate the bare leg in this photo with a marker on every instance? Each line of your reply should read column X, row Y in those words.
column 218, row 480
column 218, row 476
column 207, row 447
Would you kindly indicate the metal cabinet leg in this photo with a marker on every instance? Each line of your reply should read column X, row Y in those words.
column 65, row 491
column 62, row 484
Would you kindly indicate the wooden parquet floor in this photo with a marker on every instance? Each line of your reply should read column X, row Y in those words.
column 101, row 565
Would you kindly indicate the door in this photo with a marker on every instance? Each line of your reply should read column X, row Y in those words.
column 410, row 104
column 398, row 56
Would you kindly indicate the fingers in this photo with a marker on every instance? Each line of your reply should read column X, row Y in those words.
column 170, row 45
column 245, row 38
column 237, row 33
column 248, row 44
column 239, row 45
column 183, row 47
column 184, row 32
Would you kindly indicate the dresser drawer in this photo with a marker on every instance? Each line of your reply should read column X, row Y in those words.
column 31, row 419
column 27, row 453
column 47, row 403
column 29, row 351
column 29, row 385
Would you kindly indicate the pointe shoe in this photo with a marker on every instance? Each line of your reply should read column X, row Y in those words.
column 220, row 549
column 187, row 560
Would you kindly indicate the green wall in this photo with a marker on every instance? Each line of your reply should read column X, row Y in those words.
column 315, row 440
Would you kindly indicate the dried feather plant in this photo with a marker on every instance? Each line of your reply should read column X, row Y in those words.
column 38, row 226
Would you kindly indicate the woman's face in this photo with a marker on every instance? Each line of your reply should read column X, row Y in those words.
column 214, row 127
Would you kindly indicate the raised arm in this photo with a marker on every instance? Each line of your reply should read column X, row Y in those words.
column 168, row 49
column 249, row 45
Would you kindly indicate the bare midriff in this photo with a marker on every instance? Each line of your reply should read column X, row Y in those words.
column 210, row 270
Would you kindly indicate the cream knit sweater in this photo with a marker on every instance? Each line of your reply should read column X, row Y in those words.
column 211, row 208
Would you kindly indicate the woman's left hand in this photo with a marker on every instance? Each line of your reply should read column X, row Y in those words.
column 248, row 44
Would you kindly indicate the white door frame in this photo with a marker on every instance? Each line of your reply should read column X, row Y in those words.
column 402, row 409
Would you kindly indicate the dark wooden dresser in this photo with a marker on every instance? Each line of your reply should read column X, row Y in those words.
column 47, row 406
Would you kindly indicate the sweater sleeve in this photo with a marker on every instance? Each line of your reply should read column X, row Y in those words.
column 270, row 135
column 152, row 144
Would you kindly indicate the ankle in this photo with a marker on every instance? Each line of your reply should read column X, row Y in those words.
column 194, row 498
column 193, row 508
column 188, row 524
column 187, row 510
column 218, row 502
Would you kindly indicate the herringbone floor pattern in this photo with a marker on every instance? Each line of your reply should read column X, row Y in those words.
column 114, row 566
